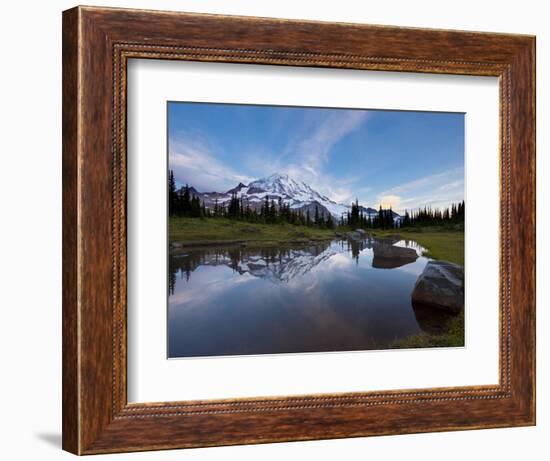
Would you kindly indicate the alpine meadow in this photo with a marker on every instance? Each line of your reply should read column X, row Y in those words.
column 306, row 229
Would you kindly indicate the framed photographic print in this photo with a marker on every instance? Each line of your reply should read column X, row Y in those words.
column 283, row 230
column 330, row 275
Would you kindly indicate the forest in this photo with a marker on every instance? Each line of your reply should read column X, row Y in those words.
column 183, row 203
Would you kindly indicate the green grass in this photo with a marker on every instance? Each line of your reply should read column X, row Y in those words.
column 448, row 245
column 441, row 243
column 454, row 337
column 220, row 230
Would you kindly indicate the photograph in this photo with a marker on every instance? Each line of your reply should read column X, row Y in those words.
column 318, row 231
column 313, row 229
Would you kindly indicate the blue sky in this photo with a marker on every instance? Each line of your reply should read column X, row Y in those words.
column 403, row 159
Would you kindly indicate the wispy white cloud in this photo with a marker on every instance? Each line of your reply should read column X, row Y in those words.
column 307, row 155
column 438, row 190
column 438, row 180
column 315, row 148
column 195, row 161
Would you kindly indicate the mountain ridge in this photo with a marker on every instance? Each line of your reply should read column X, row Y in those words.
column 278, row 186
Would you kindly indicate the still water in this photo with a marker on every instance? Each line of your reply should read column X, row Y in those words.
column 342, row 295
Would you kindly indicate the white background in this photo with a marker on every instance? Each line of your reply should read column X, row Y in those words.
column 30, row 187
column 153, row 378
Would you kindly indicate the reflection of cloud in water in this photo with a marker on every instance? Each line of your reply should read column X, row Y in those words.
column 281, row 264
column 420, row 250
column 313, row 297
column 207, row 282
column 276, row 264
column 413, row 268
column 338, row 261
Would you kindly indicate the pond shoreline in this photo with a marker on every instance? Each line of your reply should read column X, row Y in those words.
column 191, row 233
column 308, row 296
column 277, row 261
column 179, row 247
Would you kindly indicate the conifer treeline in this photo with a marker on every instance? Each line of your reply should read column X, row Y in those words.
column 359, row 217
column 181, row 203
column 435, row 217
column 184, row 203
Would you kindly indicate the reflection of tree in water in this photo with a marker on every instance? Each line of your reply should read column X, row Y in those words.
column 283, row 263
column 277, row 263
column 182, row 265
column 171, row 279
column 355, row 247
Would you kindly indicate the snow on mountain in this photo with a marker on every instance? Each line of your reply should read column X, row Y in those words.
column 298, row 195
column 283, row 266
column 282, row 184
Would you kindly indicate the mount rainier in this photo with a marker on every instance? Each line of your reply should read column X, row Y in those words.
column 298, row 195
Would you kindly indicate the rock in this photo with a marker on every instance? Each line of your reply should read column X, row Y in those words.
column 389, row 239
column 440, row 286
column 387, row 256
column 361, row 232
column 354, row 235
column 175, row 245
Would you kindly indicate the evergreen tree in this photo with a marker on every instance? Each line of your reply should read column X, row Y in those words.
column 381, row 217
column 272, row 212
column 216, row 208
column 185, row 205
column 172, row 195
column 234, row 210
column 329, row 222
column 354, row 220
column 406, row 220
column 321, row 221
column 265, row 209
column 195, row 207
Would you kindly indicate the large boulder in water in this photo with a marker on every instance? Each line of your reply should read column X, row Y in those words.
column 357, row 234
column 390, row 239
column 440, row 286
column 388, row 256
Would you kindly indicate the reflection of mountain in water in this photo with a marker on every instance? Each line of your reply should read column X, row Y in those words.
column 278, row 264
column 289, row 264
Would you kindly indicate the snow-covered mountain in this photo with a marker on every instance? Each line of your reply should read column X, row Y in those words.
column 298, row 195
